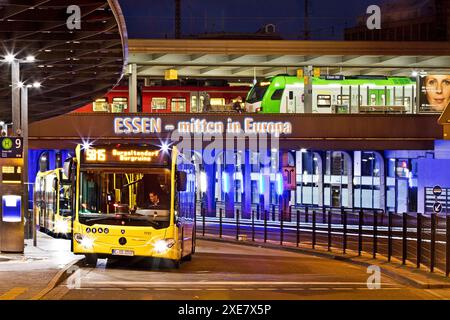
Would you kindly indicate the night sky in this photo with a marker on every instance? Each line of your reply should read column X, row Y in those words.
column 155, row 19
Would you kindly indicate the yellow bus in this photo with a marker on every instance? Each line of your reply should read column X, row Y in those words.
column 52, row 203
column 133, row 201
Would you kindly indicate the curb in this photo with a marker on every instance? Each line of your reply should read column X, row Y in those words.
column 60, row 277
column 395, row 275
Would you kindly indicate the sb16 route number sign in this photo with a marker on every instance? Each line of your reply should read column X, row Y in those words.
column 11, row 147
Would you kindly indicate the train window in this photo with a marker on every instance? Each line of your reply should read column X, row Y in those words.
column 323, row 101
column 291, row 95
column 343, row 99
column 100, row 105
column 277, row 94
column 119, row 105
column 194, row 107
column 159, row 103
column 217, row 101
column 178, row 105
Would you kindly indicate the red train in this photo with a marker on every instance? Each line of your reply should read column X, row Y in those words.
column 167, row 99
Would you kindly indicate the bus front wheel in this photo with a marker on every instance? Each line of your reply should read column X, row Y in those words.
column 91, row 260
column 176, row 264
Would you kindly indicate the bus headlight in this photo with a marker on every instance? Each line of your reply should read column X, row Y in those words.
column 85, row 241
column 161, row 246
column 62, row 226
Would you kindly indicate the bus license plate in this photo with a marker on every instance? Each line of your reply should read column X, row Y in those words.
column 117, row 252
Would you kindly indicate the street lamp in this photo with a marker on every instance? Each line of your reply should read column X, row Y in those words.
column 24, row 121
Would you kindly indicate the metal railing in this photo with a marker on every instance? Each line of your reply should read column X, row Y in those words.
column 422, row 240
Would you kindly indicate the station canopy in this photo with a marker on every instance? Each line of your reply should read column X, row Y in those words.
column 74, row 66
column 246, row 59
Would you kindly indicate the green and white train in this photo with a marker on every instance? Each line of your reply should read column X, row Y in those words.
column 285, row 94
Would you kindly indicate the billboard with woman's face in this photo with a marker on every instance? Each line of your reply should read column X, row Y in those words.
column 435, row 93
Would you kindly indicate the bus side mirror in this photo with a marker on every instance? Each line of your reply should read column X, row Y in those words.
column 181, row 181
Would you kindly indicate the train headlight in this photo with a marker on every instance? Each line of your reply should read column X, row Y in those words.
column 62, row 226
column 85, row 241
column 161, row 246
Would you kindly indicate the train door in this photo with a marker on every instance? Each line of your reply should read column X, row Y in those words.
column 195, row 102
column 291, row 103
column 377, row 97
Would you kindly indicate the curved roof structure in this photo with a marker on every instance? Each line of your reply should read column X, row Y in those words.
column 75, row 66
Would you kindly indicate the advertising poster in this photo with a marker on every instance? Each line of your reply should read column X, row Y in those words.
column 434, row 93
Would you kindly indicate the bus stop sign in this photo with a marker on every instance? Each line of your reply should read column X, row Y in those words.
column 11, row 147
column 437, row 191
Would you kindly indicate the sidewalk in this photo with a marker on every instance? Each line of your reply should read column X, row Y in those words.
column 406, row 274
column 31, row 274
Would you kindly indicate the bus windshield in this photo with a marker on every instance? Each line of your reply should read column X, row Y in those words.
column 257, row 93
column 125, row 197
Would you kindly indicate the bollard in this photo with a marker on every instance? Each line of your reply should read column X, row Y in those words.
column 253, row 225
column 258, row 212
column 389, row 236
column 273, row 212
column 204, row 220
column 265, row 225
column 419, row 239
column 447, row 246
column 344, row 218
column 375, row 231
column 313, row 229
column 329, row 230
column 360, row 238
column 281, row 227
column 404, row 238
column 220, row 222
column 237, row 224
column 433, row 242
column 298, row 228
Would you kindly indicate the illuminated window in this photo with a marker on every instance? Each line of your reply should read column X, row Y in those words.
column 343, row 99
column 194, row 106
column 217, row 101
column 323, row 101
column 178, row 105
column 101, row 105
column 119, row 105
column 159, row 103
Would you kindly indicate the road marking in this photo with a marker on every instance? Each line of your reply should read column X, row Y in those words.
column 13, row 293
column 222, row 283
column 437, row 295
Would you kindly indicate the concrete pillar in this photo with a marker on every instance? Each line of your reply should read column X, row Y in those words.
column 24, row 127
column 15, row 97
column 246, row 203
column 132, row 84
column 308, row 78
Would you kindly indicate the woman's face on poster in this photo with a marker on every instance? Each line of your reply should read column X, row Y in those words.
column 438, row 91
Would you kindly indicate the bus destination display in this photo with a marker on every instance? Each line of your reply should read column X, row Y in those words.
column 122, row 156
